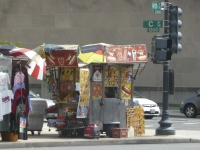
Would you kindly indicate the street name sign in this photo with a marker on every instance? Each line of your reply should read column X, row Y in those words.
column 158, row 12
column 152, row 24
column 152, row 29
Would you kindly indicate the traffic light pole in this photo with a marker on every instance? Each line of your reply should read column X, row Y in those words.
column 165, row 124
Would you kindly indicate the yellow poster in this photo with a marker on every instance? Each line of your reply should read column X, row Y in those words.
column 84, row 85
column 67, row 74
column 111, row 76
column 126, row 82
column 83, row 105
column 77, row 74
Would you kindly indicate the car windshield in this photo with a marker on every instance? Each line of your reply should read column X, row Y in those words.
column 136, row 95
column 33, row 95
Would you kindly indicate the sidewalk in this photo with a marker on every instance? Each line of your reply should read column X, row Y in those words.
column 52, row 139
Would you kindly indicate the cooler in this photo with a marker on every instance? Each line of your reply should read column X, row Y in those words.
column 92, row 131
column 36, row 116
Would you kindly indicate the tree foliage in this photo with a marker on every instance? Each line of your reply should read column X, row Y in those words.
column 5, row 42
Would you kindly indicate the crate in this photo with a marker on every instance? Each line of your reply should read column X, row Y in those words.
column 119, row 132
column 9, row 136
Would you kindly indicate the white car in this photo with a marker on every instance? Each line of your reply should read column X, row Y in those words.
column 151, row 109
column 34, row 97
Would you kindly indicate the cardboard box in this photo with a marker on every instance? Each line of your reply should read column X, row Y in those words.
column 119, row 132
column 9, row 136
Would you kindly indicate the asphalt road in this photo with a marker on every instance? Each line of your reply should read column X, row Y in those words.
column 178, row 123
column 182, row 146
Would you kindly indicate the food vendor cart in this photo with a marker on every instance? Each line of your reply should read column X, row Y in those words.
column 99, row 92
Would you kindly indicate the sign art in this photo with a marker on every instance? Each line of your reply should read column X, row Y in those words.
column 63, row 58
column 126, row 54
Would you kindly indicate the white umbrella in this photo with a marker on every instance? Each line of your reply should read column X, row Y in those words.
column 35, row 70
column 36, row 66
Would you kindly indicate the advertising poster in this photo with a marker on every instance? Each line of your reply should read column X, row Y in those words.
column 66, row 74
column 111, row 76
column 96, row 90
column 77, row 74
column 22, row 124
column 97, row 73
column 82, row 111
column 126, row 81
column 66, row 90
column 126, row 91
column 126, row 53
column 59, row 58
column 83, row 105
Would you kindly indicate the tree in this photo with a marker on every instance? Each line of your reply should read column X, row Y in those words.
column 5, row 42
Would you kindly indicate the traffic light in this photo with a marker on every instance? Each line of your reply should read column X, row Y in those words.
column 174, row 24
column 159, row 49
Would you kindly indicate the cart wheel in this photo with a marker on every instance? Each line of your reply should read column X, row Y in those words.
column 39, row 132
column 74, row 133
column 80, row 132
column 60, row 135
column 32, row 132
column 64, row 133
column 49, row 130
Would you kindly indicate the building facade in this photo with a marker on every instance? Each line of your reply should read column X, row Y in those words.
column 34, row 22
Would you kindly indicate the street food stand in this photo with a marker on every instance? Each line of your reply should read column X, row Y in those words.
column 99, row 92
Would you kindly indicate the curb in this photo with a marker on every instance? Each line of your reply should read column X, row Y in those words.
column 93, row 142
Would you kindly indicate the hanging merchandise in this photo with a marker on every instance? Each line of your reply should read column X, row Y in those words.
column 6, row 96
column 21, row 102
column 83, row 105
column 5, row 102
column 51, row 80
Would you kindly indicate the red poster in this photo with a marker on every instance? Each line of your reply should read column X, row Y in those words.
column 96, row 90
column 62, row 58
column 126, row 53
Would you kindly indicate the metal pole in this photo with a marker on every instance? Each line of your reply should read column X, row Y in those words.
column 165, row 124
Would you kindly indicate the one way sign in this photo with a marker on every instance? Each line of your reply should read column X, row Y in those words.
column 159, row 6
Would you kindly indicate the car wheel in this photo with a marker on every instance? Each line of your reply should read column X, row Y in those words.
column 190, row 111
column 148, row 117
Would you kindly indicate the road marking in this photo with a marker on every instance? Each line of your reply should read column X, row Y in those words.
column 190, row 123
column 149, row 126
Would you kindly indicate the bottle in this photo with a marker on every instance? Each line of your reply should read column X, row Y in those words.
column 130, row 131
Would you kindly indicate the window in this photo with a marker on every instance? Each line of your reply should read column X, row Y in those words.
column 136, row 95
column 32, row 94
column 111, row 92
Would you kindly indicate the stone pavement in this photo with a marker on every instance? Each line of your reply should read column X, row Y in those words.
column 51, row 138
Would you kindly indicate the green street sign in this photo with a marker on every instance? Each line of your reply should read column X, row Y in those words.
column 152, row 24
column 156, row 5
column 158, row 12
column 152, row 29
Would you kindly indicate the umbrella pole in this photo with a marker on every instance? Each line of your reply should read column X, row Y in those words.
column 28, row 63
